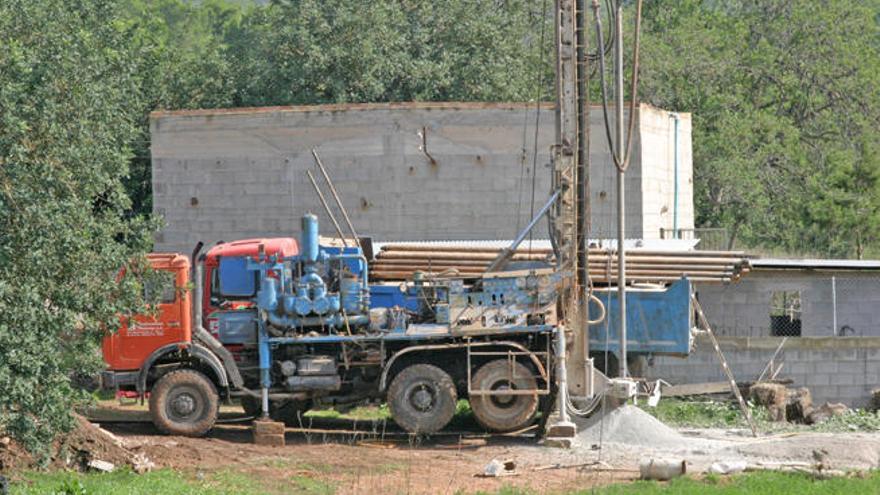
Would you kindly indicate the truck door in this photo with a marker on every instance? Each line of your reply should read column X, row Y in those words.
column 167, row 322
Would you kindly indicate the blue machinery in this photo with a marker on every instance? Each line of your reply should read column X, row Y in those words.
column 322, row 296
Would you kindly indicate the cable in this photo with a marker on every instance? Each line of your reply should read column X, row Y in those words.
column 592, row 57
column 538, row 115
column 620, row 162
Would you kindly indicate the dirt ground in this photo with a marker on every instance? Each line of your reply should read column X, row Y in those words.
column 345, row 456
column 369, row 463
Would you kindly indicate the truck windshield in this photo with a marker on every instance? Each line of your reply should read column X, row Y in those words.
column 232, row 280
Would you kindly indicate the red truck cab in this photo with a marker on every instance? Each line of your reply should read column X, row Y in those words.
column 218, row 300
column 186, row 369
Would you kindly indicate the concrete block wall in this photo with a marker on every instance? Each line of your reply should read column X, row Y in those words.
column 841, row 369
column 743, row 309
column 240, row 173
column 836, row 366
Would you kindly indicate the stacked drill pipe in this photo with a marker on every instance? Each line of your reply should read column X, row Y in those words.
column 399, row 261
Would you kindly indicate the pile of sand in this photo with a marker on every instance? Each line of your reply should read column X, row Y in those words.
column 628, row 425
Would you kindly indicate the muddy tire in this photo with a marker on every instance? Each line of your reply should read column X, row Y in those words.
column 288, row 411
column 422, row 399
column 504, row 413
column 184, row 402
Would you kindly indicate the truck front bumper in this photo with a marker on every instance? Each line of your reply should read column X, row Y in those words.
column 115, row 379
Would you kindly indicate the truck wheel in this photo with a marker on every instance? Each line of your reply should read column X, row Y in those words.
column 504, row 412
column 422, row 398
column 184, row 402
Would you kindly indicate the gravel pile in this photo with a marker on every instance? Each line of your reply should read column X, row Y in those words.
column 631, row 426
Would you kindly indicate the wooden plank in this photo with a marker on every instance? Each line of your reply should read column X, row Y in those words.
column 696, row 389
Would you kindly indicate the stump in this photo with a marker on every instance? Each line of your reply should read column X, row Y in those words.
column 798, row 405
column 874, row 405
column 772, row 396
column 826, row 411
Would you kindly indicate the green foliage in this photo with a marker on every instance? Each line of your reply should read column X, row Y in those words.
column 783, row 94
column 706, row 414
column 308, row 51
column 785, row 106
column 857, row 420
column 180, row 61
column 703, row 413
column 66, row 122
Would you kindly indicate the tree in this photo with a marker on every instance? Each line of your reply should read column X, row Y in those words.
column 783, row 94
column 68, row 114
column 310, row 52
column 179, row 61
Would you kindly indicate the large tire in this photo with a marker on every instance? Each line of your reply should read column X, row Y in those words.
column 287, row 411
column 422, row 399
column 499, row 412
column 184, row 402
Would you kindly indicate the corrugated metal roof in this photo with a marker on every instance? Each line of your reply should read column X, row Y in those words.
column 814, row 264
column 652, row 244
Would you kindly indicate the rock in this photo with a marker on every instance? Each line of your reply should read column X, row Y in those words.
column 798, row 405
column 661, row 469
column 4, row 442
column 103, row 466
column 825, row 412
column 772, row 396
column 141, row 464
column 499, row 468
column 728, row 467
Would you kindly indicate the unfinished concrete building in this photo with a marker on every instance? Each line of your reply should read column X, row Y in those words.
column 405, row 171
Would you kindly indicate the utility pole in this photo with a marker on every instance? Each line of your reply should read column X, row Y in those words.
column 570, row 164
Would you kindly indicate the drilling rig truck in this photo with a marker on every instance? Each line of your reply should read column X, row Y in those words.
column 291, row 326
column 285, row 325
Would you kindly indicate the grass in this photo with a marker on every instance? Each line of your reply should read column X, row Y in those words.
column 759, row 483
column 703, row 413
column 165, row 482
column 362, row 413
column 229, row 482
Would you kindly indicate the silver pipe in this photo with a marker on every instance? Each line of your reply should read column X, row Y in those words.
column 357, row 239
column 507, row 253
column 326, row 207
column 562, row 375
column 198, row 283
column 621, row 188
